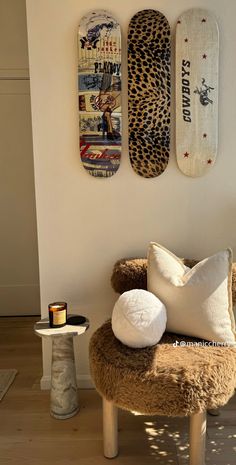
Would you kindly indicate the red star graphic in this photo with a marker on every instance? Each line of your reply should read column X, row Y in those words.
column 186, row 155
column 204, row 135
column 203, row 20
column 209, row 162
column 204, row 56
column 186, row 40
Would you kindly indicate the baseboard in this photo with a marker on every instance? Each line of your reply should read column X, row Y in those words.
column 83, row 382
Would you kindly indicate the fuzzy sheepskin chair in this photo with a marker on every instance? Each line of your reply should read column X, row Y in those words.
column 159, row 380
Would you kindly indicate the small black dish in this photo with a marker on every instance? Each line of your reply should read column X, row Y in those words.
column 76, row 320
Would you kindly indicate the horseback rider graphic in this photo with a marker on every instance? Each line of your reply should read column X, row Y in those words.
column 203, row 93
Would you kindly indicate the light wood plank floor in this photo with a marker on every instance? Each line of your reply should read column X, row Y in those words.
column 29, row 436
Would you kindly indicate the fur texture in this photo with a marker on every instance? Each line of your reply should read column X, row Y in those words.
column 163, row 379
column 131, row 273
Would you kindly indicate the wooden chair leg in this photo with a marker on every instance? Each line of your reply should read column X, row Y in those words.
column 197, row 439
column 110, row 429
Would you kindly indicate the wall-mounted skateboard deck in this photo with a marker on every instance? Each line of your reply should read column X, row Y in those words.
column 197, row 57
column 149, row 92
column 99, row 93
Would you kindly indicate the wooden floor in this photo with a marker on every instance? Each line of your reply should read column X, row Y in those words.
column 29, row 436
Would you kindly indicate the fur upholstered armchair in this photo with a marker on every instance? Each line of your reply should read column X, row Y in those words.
column 159, row 380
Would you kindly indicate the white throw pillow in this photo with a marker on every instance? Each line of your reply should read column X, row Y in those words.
column 198, row 300
column 138, row 318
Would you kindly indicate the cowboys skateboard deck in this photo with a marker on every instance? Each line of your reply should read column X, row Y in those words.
column 99, row 93
column 197, row 55
column 149, row 92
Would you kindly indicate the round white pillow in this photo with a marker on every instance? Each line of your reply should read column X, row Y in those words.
column 139, row 318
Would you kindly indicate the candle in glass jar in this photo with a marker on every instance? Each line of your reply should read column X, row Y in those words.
column 57, row 314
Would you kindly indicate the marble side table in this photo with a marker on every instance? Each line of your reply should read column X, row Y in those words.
column 64, row 399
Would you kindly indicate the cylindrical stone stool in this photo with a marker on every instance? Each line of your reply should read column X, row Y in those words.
column 64, row 400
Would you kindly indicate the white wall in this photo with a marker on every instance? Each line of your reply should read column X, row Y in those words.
column 85, row 224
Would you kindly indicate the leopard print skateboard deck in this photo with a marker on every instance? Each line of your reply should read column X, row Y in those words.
column 149, row 92
column 99, row 93
column 197, row 55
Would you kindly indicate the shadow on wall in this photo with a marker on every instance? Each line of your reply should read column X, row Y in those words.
column 215, row 230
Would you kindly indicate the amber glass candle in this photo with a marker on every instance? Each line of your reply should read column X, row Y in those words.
column 57, row 314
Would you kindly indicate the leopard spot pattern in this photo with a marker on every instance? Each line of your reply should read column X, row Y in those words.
column 149, row 92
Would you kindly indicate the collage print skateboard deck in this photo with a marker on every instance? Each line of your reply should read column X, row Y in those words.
column 197, row 57
column 99, row 92
column 149, row 92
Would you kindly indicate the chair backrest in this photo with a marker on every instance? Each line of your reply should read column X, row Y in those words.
column 131, row 273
